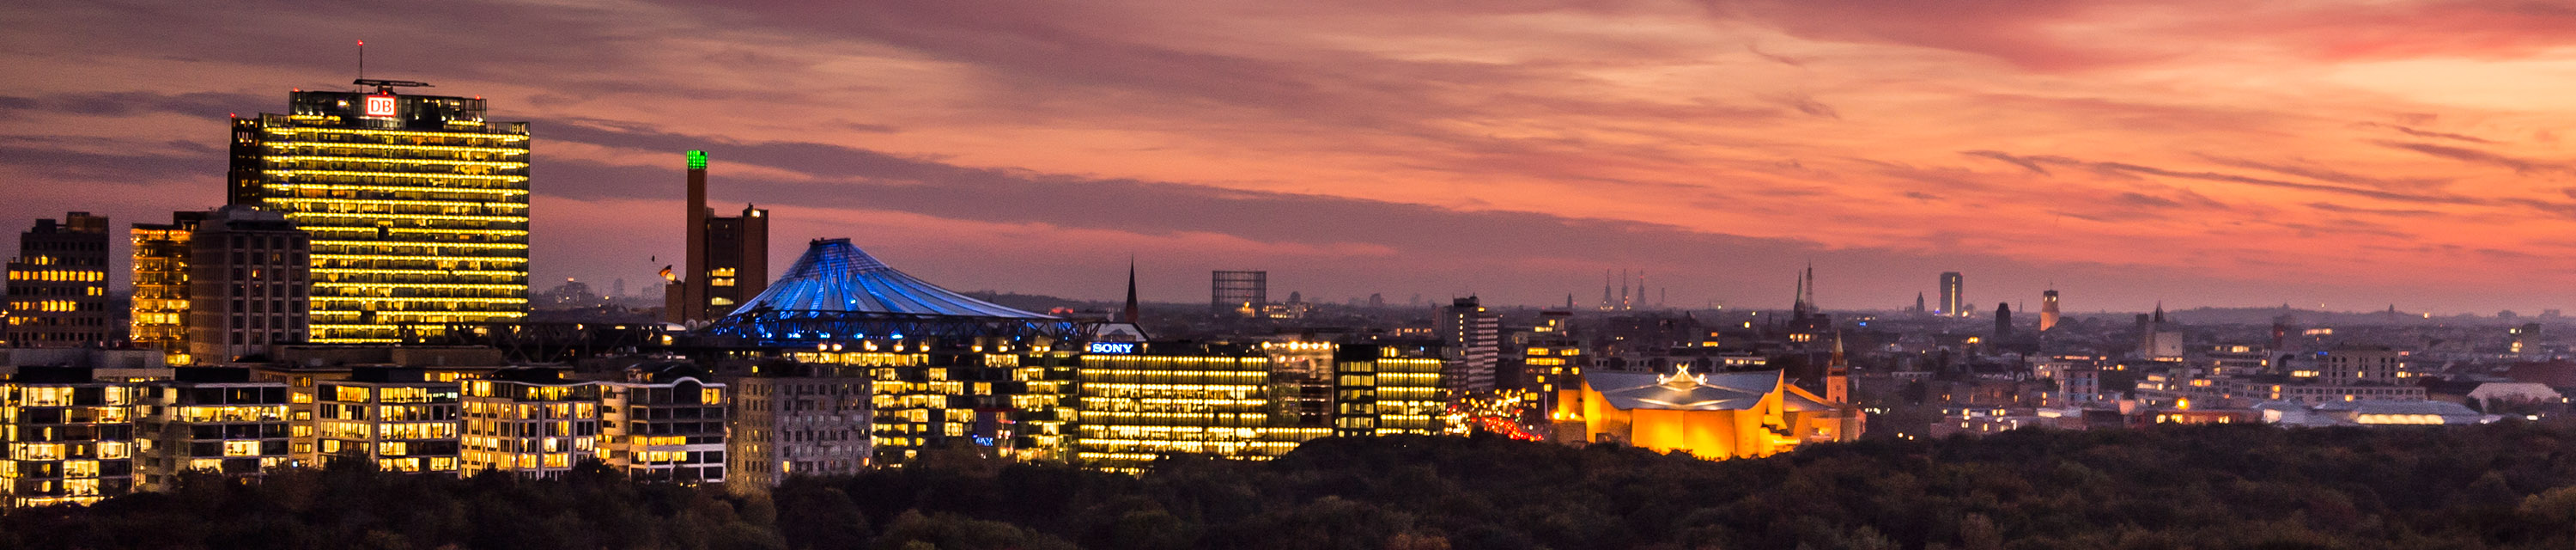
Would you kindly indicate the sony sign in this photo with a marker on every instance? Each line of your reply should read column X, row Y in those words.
column 1112, row 347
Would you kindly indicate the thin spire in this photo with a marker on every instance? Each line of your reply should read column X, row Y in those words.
column 1131, row 290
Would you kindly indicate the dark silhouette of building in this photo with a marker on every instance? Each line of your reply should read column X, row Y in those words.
column 2003, row 322
column 1953, row 301
column 728, row 258
column 1238, row 291
column 58, row 286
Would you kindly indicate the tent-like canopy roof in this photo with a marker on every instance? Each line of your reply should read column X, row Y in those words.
column 836, row 278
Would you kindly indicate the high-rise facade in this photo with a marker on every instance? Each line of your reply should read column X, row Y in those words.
column 58, row 286
column 249, row 284
column 160, row 301
column 1239, row 291
column 728, row 257
column 417, row 206
column 1471, row 344
column 1954, row 302
column 2048, row 316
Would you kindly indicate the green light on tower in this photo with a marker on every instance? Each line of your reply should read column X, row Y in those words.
column 697, row 160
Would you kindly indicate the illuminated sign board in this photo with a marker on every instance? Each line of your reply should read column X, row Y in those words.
column 380, row 105
column 1112, row 347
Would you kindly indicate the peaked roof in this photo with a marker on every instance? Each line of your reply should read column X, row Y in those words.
column 835, row 277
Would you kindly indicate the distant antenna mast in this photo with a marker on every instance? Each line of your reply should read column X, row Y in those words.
column 362, row 60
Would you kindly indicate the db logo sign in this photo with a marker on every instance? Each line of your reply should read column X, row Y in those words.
column 380, row 105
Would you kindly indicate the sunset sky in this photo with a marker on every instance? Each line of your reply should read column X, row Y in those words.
column 2351, row 154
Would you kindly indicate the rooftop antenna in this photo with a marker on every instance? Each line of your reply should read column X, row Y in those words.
column 382, row 86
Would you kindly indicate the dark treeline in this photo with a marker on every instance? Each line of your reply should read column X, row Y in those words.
column 2502, row 486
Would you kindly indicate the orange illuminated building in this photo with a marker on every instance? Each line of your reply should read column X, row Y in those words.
column 1712, row 416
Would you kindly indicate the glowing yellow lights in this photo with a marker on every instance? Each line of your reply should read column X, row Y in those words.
column 431, row 175
column 386, row 160
column 502, row 191
column 402, row 133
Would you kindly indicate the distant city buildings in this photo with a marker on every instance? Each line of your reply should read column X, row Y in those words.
column 1954, row 301
column 417, row 206
column 2048, row 315
column 1242, row 292
column 58, row 286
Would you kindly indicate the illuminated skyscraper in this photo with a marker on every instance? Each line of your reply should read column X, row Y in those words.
column 1470, row 339
column 160, row 318
column 727, row 260
column 417, row 206
column 2048, row 316
column 58, row 285
column 1953, row 303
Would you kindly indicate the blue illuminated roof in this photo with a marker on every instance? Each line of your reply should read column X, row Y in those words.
column 834, row 277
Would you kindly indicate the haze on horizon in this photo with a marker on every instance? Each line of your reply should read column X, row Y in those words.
column 2328, row 155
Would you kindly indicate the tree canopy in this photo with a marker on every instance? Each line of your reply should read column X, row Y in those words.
column 2198, row 487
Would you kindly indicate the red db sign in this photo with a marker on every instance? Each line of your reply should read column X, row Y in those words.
column 380, row 105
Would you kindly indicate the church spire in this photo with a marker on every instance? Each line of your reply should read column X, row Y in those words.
column 1130, row 316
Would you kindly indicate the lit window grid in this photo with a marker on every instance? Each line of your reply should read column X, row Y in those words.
column 82, row 466
column 344, row 184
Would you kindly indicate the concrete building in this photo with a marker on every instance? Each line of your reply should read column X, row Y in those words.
column 250, row 282
column 2361, row 364
column 58, row 286
column 664, row 423
column 798, row 419
column 211, row 420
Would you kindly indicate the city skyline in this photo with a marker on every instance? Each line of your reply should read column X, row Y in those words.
column 1507, row 155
